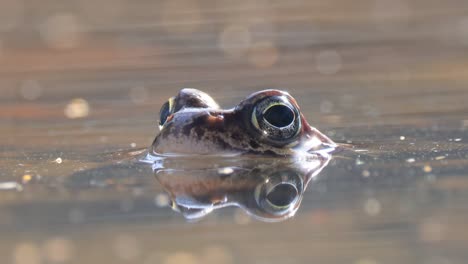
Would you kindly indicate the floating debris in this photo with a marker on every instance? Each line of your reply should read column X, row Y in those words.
column 439, row 157
column 10, row 186
column 58, row 160
column 410, row 160
column 225, row 171
column 328, row 62
column 402, row 137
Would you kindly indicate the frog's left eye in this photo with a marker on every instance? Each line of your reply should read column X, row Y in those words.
column 276, row 118
column 165, row 112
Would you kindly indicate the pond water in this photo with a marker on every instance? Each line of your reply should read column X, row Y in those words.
column 80, row 92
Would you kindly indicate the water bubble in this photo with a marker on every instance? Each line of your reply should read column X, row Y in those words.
column 30, row 90
column 62, row 31
column 133, row 145
column 410, row 160
column 58, row 250
column 328, row 62
column 126, row 247
column 235, row 40
column 402, row 137
column 77, row 108
column 372, row 207
column 26, row 253
column 263, row 54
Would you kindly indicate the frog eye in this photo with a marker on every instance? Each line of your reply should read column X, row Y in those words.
column 165, row 112
column 279, row 193
column 276, row 118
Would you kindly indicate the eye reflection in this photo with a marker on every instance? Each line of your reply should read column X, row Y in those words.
column 282, row 195
column 267, row 190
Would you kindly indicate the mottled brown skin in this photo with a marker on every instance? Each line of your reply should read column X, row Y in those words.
column 198, row 126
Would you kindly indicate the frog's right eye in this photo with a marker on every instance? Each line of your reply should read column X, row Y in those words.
column 166, row 110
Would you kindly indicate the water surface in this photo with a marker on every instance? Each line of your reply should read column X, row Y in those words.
column 385, row 76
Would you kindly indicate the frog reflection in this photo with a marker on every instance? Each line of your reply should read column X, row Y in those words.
column 268, row 189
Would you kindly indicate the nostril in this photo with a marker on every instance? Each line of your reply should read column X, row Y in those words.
column 282, row 195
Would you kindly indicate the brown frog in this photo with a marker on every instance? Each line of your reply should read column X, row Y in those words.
column 266, row 122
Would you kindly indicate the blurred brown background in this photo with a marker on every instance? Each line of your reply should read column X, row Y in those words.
column 82, row 79
column 122, row 59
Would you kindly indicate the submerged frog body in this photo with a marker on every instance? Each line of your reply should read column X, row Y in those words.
column 267, row 122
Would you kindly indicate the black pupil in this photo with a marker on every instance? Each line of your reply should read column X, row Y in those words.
column 164, row 113
column 279, row 115
column 282, row 195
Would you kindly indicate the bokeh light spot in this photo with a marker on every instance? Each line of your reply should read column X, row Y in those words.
column 138, row 94
column 263, row 54
column 328, row 62
column 77, row 108
column 58, row 250
column 62, row 31
column 217, row 255
column 26, row 253
column 30, row 90
column 235, row 40
column 126, row 247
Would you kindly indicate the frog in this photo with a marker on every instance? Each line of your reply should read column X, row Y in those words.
column 267, row 122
